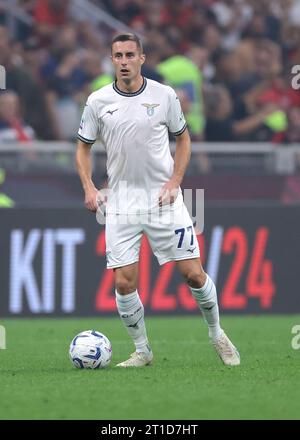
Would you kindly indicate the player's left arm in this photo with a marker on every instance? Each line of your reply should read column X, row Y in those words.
column 182, row 157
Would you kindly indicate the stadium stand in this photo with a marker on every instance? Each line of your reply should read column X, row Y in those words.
column 247, row 48
column 230, row 61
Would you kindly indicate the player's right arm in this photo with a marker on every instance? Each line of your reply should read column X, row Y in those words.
column 84, row 168
column 87, row 135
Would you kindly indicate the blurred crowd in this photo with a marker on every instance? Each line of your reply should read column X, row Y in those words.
column 230, row 62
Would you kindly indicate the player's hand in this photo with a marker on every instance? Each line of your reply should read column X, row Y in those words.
column 101, row 201
column 91, row 197
column 168, row 194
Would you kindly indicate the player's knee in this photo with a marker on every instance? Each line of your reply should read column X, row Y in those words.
column 125, row 285
column 195, row 279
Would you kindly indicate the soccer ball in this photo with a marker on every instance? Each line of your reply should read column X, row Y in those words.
column 90, row 349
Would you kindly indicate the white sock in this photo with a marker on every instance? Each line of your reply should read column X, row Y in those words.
column 131, row 311
column 207, row 301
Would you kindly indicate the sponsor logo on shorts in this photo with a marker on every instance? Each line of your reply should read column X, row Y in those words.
column 191, row 250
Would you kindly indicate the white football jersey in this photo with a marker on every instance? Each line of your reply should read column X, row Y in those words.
column 133, row 127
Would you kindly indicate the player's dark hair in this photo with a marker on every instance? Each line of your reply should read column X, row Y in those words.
column 129, row 37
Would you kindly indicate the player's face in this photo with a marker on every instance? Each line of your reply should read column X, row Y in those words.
column 127, row 60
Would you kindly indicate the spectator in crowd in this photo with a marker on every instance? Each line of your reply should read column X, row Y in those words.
column 181, row 72
column 201, row 161
column 12, row 125
column 94, row 68
column 64, row 77
column 152, row 60
column 49, row 15
column 30, row 93
column 221, row 125
column 292, row 134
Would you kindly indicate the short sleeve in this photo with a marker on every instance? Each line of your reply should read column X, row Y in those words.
column 88, row 129
column 176, row 119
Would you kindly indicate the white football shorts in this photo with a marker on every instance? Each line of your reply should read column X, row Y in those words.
column 169, row 230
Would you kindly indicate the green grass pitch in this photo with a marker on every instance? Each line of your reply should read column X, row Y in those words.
column 187, row 380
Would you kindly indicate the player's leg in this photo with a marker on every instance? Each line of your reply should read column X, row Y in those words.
column 123, row 241
column 204, row 291
column 172, row 238
column 131, row 311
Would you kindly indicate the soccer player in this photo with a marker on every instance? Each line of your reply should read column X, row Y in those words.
column 132, row 118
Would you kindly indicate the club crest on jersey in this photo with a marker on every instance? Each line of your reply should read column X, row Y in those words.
column 150, row 108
